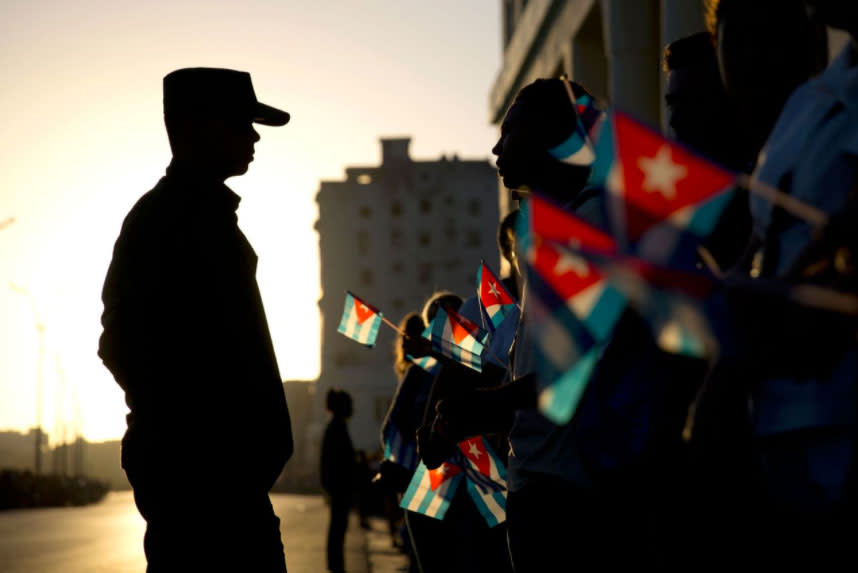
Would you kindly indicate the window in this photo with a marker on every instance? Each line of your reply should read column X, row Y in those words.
column 396, row 209
column 474, row 207
column 366, row 277
column 451, row 229
column 425, row 206
column 424, row 273
column 364, row 179
column 424, row 238
column 396, row 237
column 365, row 212
column 397, row 267
column 398, row 304
column 363, row 242
column 473, row 239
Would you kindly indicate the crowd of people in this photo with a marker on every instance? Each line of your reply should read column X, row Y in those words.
column 662, row 451
column 672, row 460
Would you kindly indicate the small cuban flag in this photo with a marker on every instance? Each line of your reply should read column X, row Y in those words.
column 673, row 301
column 454, row 336
column 578, row 148
column 486, row 481
column 360, row 321
column 572, row 306
column 431, row 491
column 556, row 254
column 427, row 363
column 495, row 299
column 663, row 199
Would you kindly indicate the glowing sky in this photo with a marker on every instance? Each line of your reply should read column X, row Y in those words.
column 82, row 139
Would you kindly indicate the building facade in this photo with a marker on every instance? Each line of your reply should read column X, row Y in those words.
column 393, row 234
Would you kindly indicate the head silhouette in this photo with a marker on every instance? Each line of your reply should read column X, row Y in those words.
column 437, row 300
column 766, row 48
column 413, row 326
column 542, row 116
column 209, row 115
column 339, row 403
column 698, row 110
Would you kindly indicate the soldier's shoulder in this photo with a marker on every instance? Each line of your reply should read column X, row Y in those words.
column 151, row 211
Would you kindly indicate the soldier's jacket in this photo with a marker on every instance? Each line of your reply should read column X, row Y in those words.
column 185, row 336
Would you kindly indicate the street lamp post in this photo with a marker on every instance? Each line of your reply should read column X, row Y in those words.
column 40, row 329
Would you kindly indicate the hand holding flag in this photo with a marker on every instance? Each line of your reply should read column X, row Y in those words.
column 457, row 338
column 431, row 491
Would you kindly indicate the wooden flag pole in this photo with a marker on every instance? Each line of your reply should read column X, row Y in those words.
column 391, row 325
column 777, row 197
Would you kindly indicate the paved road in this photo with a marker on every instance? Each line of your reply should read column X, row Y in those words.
column 107, row 538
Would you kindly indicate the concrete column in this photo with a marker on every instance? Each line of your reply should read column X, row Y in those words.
column 633, row 46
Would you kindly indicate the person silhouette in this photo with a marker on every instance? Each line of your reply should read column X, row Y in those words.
column 185, row 336
column 338, row 473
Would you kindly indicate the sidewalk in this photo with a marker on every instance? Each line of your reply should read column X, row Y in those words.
column 304, row 521
column 381, row 555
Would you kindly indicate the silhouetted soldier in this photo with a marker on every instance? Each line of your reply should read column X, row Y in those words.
column 185, row 336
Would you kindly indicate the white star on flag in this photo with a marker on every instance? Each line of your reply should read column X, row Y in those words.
column 493, row 289
column 661, row 174
column 568, row 263
column 364, row 307
column 474, row 450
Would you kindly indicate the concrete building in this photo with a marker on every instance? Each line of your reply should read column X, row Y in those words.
column 393, row 234
column 301, row 472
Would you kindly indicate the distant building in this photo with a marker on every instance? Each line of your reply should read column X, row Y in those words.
column 393, row 234
column 301, row 472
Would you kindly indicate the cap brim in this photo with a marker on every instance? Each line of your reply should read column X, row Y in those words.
column 267, row 115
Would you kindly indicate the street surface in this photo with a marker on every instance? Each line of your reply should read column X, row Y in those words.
column 108, row 538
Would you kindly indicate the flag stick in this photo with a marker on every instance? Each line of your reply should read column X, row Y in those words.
column 393, row 326
column 709, row 260
column 568, row 87
column 777, row 197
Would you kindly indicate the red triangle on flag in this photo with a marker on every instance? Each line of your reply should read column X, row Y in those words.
column 475, row 450
column 492, row 291
column 566, row 273
column 552, row 223
column 660, row 177
column 363, row 311
column 441, row 474
column 459, row 331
